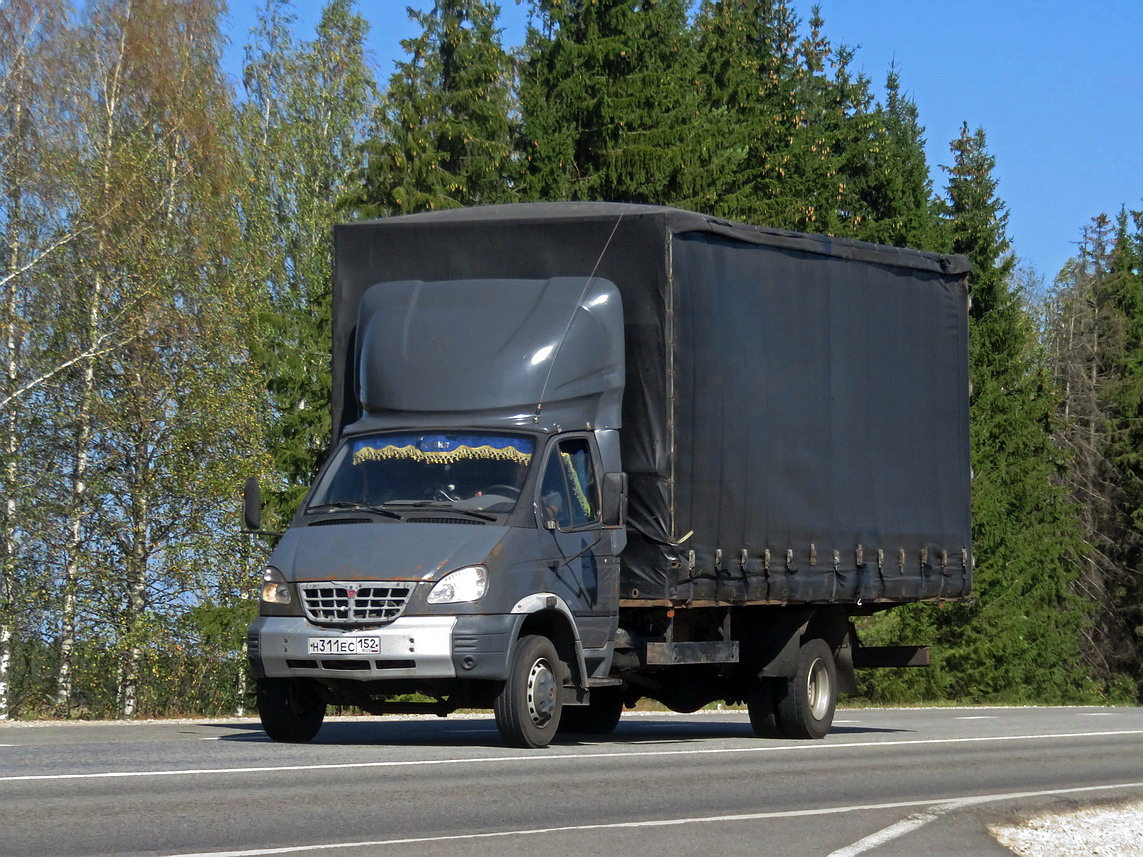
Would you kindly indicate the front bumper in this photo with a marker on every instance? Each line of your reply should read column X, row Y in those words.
column 411, row 647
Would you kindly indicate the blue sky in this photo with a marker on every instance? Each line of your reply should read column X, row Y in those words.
column 1057, row 87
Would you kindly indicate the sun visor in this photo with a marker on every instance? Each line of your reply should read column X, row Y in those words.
column 495, row 352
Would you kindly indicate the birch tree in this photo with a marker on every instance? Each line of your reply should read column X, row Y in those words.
column 32, row 228
column 155, row 422
column 302, row 124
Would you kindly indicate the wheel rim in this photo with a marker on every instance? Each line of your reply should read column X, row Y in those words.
column 541, row 692
column 818, row 689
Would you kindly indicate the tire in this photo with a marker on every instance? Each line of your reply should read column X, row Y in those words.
column 807, row 702
column 599, row 717
column 762, row 706
column 290, row 710
column 529, row 705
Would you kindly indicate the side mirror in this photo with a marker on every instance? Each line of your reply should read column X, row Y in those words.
column 614, row 499
column 252, row 505
column 548, row 516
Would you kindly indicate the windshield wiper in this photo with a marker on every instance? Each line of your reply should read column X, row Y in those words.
column 352, row 504
column 448, row 507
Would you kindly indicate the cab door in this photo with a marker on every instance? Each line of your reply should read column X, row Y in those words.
column 581, row 566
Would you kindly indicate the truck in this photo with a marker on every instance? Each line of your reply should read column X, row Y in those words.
column 591, row 453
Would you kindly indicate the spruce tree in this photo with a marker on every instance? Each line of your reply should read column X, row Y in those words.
column 1094, row 330
column 1123, row 365
column 609, row 102
column 800, row 143
column 891, row 185
column 829, row 131
column 746, row 62
column 1019, row 638
column 443, row 138
column 1125, row 408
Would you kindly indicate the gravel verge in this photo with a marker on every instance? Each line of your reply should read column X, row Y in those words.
column 1114, row 830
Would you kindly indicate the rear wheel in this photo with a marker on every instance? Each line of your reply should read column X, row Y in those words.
column 807, row 703
column 290, row 709
column 762, row 705
column 598, row 717
column 529, row 705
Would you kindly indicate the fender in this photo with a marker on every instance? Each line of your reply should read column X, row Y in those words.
column 540, row 601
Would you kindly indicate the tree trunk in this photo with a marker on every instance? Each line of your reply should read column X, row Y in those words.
column 10, row 162
column 7, row 550
column 136, row 606
column 77, row 505
column 136, row 609
column 8, row 513
column 76, row 508
column 5, row 668
column 137, row 546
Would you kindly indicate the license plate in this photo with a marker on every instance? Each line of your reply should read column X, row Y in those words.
column 345, row 645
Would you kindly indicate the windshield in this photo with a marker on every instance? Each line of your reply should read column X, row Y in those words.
column 463, row 471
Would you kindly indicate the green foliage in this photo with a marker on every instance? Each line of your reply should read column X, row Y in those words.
column 793, row 138
column 746, row 62
column 1122, row 365
column 890, row 182
column 147, row 406
column 912, row 624
column 610, row 105
column 1093, row 324
column 832, row 134
column 299, row 131
column 220, row 629
column 443, row 137
column 1019, row 639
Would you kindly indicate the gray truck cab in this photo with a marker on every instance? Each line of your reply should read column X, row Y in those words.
column 462, row 540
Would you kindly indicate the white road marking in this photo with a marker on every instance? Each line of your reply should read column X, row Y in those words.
column 807, row 746
column 935, row 810
column 905, row 825
column 976, row 717
column 1097, row 714
column 940, row 808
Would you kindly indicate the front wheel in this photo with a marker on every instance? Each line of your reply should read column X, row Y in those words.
column 529, row 705
column 290, row 710
column 807, row 703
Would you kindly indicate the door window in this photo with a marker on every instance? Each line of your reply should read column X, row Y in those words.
column 568, row 491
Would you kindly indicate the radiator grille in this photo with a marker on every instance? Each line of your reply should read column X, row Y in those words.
column 365, row 603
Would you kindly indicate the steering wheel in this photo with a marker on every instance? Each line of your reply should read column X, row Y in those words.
column 508, row 491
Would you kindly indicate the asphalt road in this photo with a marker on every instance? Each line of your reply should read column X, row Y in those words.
column 888, row 783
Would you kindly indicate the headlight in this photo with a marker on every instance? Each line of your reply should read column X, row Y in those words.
column 464, row 584
column 275, row 590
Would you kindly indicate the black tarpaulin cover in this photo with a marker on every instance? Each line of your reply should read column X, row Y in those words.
column 795, row 417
